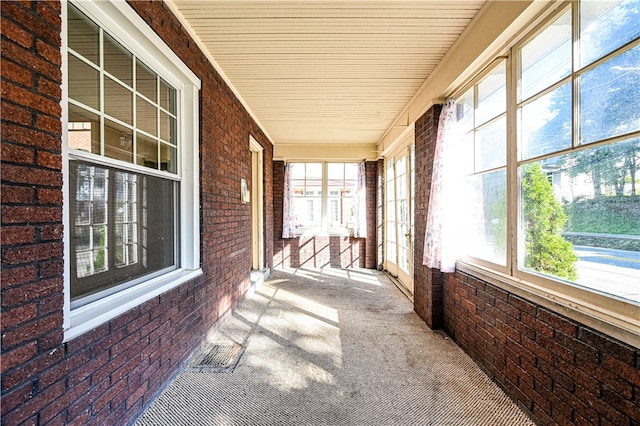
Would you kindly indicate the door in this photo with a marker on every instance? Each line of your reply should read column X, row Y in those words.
column 399, row 230
column 256, row 200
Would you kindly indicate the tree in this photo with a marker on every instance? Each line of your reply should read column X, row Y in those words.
column 546, row 250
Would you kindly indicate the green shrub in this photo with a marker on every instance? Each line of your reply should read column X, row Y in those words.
column 546, row 250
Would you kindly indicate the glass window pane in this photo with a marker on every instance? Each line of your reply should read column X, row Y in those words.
column 335, row 170
column 545, row 124
column 146, row 116
column 168, row 158
column 547, row 58
column 605, row 26
column 491, row 145
column 132, row 253
column 167, row 97
column 146, row 82
column 580, row 218
column 351, row 171
column 83, row 238
column 84, row 83
column 610, row 98
column 486, row 209
column 401, row 166
column 347, row 212
column 313, row 188
column 118, row 61
column 118, row 141
column 159, row 209
column 297, row 170
column 464, row 110
column 146, row 151
column 168, row 128
column 84, row 130
column 83, row 35
column 466, row 156
column 313, row 171
column 492, row 95
column 118, row 101
column 307, row 212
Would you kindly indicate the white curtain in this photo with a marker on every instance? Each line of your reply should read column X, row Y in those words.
column 360, row 207
column 444, row 218
column 288, row 222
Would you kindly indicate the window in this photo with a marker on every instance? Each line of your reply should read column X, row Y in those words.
column 579, row 148
column 481, row 113
column 557, row 199
column 130, row 131
column 324, row 195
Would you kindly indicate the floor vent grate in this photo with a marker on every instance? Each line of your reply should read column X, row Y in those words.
column 218, row 358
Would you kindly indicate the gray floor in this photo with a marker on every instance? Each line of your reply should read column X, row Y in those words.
column 334, row 347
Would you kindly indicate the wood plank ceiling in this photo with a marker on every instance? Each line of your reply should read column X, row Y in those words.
column 331, row 71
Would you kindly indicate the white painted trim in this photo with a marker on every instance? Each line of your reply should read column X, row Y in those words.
column 66, row 216
column 94, row 314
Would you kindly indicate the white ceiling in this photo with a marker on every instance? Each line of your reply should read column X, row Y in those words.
column 327, row 72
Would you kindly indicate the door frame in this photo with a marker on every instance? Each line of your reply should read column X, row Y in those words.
column 256, row 201
column 403, row 146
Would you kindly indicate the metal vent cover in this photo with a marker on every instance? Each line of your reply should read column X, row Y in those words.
column 217, row 358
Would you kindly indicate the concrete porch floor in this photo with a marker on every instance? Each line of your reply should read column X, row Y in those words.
column 334, row 347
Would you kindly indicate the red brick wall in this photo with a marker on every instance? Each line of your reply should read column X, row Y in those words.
column 371, row 258
column 427, row 282
column 558, row 370
column 108, row 375
column 324, row 251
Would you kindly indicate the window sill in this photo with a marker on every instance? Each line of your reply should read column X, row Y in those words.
column 614, row 317
column 94, row 314
column 334, row 232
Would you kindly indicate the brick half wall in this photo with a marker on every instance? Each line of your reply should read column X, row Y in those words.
column 555, row 368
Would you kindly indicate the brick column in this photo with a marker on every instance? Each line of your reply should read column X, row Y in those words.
column 427, row 281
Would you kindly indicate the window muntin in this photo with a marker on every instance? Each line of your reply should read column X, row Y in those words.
column 106, row 79
column 324, row 196
column 575, row 203
column 118, row 234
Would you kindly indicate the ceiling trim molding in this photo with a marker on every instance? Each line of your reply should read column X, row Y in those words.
column 328, row 152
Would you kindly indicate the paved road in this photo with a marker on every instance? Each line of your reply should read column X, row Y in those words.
column 621, row 258
column 611, row 271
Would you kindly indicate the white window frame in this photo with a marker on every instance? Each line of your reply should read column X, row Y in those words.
column 325, row 219
column 126, row 26
column 611, row 315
